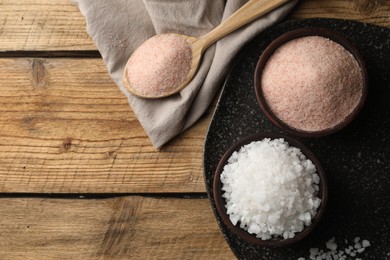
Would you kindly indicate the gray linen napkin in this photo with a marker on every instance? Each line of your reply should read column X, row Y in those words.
column 118, row 27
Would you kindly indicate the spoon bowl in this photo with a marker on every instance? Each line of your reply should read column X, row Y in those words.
column 195, row 57
column 252, row 10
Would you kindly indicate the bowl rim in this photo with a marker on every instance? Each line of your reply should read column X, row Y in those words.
column 299, row 33
column 220, row 201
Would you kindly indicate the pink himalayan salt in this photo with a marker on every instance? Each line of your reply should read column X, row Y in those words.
column 312, row 83
column 159, row 65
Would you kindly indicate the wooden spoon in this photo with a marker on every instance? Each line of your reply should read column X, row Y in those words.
column 252, row 10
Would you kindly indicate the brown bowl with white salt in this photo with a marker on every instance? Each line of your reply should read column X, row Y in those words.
column 311, row 82
column 270, row 190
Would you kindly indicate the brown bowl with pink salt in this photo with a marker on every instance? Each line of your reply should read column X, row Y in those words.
column 311, row 82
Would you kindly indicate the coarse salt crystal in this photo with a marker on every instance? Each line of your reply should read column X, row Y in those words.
column 341, row 254
column 331, row 245
column 360, row 250
column 357, row 246
column 313, row 251
column 266, row 193
column 366, row 243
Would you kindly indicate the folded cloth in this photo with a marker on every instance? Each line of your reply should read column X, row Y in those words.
column 118, row 27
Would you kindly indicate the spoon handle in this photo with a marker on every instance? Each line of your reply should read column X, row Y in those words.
column 247, row 13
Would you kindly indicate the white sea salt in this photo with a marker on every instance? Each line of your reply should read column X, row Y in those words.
column 366, row 243
column 360, row 250
column 357, row 246
column 341, row 254
column 270, row 189
column 331, row 244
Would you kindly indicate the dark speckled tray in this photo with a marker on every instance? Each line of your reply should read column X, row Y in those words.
column 356, row 160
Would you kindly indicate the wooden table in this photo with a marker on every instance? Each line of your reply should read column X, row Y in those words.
column 79, row 178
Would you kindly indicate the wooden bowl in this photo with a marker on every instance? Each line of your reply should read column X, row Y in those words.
column 291, row 35
column 220, row 202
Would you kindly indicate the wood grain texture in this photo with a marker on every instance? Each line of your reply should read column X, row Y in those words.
column 58, row 24
column 368, row 11
column 118, row 228
column 42, row 25
column 66, row 128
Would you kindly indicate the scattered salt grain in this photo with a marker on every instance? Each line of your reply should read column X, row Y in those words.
column 267, row 186
column 366, row 243
column 314, row 251
column 312, row 83
column 360, row 250
column 341, row 254
column 159, row 65
column 331, row 244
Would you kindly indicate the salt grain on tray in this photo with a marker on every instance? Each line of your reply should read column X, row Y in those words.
column 312, row 83
column 350, row 251
column 270, row 189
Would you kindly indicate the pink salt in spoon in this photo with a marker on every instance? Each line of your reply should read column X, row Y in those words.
column 166, row 63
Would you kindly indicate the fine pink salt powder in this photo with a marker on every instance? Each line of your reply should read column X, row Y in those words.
column 312, row 83
column 159, row 65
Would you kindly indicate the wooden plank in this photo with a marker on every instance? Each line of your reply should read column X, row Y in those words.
column 66, row 128
column 375, row 12
column 58, row 24
column 42, row 25
column 117, row 228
